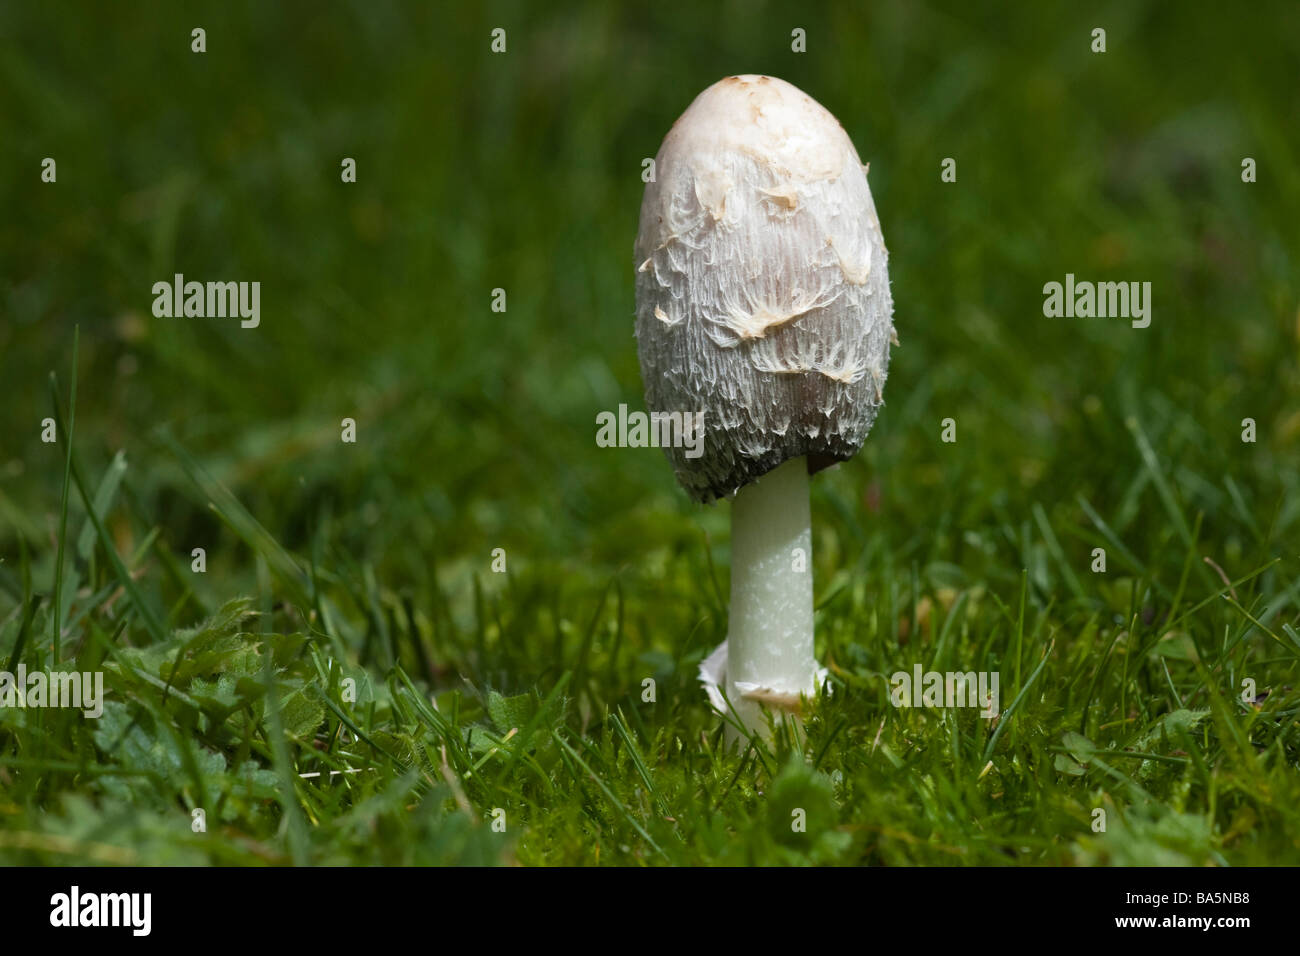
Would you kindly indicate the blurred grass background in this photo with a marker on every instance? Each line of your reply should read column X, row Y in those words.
column 521, row 171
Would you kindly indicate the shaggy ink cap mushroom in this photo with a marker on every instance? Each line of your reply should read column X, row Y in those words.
column 763, row 302
column 762, row 293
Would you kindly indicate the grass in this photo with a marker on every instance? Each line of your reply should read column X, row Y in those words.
column 349, row 681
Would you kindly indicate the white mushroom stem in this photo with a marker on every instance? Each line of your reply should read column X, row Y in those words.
column 770, row 638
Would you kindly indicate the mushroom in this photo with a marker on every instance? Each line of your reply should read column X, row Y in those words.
column 762, row 302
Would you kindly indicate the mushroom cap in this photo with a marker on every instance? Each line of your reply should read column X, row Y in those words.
column 762, row 290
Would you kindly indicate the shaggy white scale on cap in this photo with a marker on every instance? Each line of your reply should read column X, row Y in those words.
column 761, row 286
column 762, row 300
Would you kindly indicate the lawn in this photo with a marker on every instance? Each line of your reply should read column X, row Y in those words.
column 471, row 635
